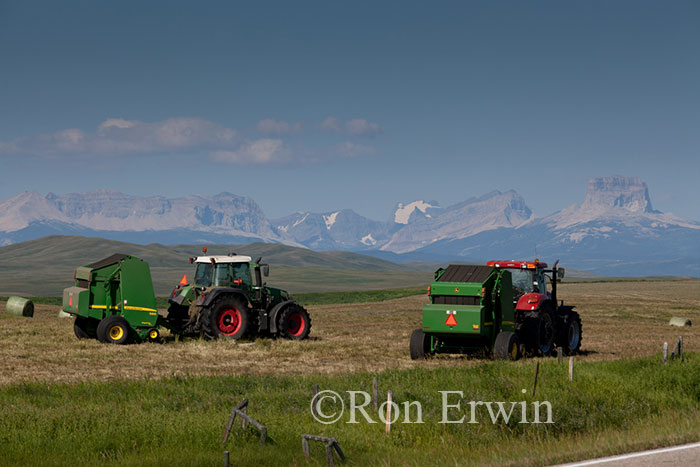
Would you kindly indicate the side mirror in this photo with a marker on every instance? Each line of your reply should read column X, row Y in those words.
column 560, row 274
column 265, row 269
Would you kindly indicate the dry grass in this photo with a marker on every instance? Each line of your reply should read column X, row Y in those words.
column 625, row 319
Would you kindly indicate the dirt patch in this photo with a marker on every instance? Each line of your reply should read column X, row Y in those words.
column 625, row 319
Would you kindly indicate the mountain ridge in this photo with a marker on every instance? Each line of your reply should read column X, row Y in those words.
column 615, row 223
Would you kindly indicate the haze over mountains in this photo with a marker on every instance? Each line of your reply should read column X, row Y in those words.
column 615, row 231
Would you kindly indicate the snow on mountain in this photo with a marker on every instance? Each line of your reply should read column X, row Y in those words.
column 330, row 219
column 344, row 229
column 405, row 213
column 489, row 212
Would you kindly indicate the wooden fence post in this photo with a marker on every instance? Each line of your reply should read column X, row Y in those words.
column 313, row 399
column 534, row 386
column 665, row 352
column 571, row 369
column 389, row 397
column 375, row 393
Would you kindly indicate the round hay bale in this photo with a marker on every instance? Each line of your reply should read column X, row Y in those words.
column 680, row 322
column 20, row 306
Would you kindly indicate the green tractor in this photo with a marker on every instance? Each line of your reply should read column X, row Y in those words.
column 229, row 300
column 508, row 308
column 113, row 301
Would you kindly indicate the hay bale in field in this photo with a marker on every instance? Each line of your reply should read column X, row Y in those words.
column 20, row 306
column 63, row 314
column 680, row 322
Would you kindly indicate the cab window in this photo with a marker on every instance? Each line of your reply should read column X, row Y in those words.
column 202, row 275
column 240, row 274
column 221, row 278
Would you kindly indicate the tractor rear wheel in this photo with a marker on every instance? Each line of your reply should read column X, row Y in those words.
column 571, row 333
column 420, row 345
column 227, row 318
column 113, row 330
column 85, row 328
column 507, row 346
column 294, row 323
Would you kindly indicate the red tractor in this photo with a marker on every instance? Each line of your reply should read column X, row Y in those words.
column 540, row 320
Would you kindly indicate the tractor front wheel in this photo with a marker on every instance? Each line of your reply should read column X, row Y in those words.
column 507, row 346
column 227, row 318
column 294, row 323
column 420, row 345
column 540, row 331
column 113, row 330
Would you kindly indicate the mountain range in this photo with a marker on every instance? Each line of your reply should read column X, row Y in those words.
column 614, row 231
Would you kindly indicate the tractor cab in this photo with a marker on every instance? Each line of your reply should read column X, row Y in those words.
column 531, row 277
column 222, row 271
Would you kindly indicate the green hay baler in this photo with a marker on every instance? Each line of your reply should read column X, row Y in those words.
column 113, row 301
column 506, row 307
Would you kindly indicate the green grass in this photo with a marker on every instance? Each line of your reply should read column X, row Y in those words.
column 611, row 407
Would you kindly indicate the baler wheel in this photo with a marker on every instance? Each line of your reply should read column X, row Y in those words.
column 227, row 318
column 507, row 346
column 83, row 329
column 294, row 323
column 113, row 330
column 420, row 345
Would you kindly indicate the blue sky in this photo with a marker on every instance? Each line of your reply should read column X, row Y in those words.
column 326, row 105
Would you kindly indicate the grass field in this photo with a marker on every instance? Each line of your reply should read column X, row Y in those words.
column 62, row 392
column 180, row 420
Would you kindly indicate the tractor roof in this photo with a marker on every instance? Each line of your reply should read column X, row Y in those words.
column 223, row 259
column 537, row 264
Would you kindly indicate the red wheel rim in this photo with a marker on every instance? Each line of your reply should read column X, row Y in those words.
column 296, row 324
column 229, row 321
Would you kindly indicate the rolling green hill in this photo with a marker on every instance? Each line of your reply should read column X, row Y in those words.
column 45, row 266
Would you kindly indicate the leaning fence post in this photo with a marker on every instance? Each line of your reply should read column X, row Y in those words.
column 665, row 352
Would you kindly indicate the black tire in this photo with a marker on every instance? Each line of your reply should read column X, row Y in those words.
column 226, row 318
column 571, row 334
column 113, row 330
column 85, row 328
column 540, row 331
column 294, row 323
column 507, row 346
column 420, row 345
column 178, row 315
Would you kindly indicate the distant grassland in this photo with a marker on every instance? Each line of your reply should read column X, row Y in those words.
column 309, row 298
column 611, row 407
column 44, row 267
